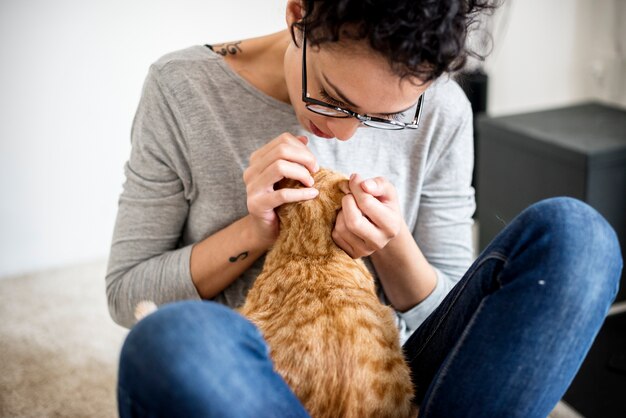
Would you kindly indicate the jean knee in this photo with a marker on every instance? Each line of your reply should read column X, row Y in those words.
column 176, row 333
column 584, row 245
column 191, row 357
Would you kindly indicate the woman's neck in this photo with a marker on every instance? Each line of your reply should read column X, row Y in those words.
column 260, row 62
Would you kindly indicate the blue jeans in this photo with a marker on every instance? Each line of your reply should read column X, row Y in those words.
column 506, row 341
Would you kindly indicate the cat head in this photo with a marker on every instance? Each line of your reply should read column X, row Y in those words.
column 315, row 218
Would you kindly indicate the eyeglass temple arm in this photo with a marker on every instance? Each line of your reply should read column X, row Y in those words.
column 420, row 105
column 303, row 64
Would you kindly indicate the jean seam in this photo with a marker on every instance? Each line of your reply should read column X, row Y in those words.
column 494, row 255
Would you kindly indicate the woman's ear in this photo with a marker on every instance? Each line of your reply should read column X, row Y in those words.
column 295, row 12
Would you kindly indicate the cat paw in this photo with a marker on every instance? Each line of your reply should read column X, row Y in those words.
column 144, row 308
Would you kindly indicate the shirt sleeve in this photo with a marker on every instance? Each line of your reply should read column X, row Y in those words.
column 443, row 230
column 410, row 320
column 145, row 261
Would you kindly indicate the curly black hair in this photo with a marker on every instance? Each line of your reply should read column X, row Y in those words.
column 419, row 38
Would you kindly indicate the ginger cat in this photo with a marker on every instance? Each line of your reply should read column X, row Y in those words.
column 330, row 338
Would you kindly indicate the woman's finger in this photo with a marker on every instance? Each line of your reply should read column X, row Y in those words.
column 380, row 214
column 285, row 147
column 360, row 247
column 359, row 226
column 279, row 170
column 272, row 200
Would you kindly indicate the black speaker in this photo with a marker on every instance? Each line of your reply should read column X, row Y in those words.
column 599, row 388
column 577, row 151
column 475, row 84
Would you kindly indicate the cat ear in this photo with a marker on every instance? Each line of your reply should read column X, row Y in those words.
column 343, row 185
column 339, row 189
column 287, row 184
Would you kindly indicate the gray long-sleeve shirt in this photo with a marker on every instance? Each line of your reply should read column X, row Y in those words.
column 197, row 124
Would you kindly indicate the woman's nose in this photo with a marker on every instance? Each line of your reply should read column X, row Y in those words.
column 343, row 128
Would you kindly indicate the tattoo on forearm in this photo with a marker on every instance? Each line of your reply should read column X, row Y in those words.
column 225, row 49
column 241, row 256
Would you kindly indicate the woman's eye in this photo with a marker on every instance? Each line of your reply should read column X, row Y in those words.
column 329, row 99
column 396, row 116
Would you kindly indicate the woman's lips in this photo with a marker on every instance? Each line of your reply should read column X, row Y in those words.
column 319, row 133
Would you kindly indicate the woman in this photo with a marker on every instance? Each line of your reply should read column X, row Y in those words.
column 356, row 86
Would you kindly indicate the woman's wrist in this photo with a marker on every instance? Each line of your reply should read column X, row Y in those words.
column 404, row 272
column 220, row 258
column 260, row 236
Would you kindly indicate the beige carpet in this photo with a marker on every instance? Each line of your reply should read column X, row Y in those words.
column 59, row 348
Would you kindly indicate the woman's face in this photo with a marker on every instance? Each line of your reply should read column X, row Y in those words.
column 348, row 75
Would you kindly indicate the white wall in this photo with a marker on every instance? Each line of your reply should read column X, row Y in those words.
column 551, row 53
column 71, row 73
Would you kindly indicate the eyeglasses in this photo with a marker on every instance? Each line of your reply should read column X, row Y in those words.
column 327, row 109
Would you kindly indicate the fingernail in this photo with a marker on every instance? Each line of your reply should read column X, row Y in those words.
column 311, row 181
column 352, row 176
column 370, row 184
column 312, row 192
column 316, row 168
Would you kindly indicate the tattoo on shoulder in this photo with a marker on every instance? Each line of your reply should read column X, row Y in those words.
column 241, row 256
column 225, row 49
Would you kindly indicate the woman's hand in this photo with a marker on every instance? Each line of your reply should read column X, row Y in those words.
column 286, row 156
column 370, row 216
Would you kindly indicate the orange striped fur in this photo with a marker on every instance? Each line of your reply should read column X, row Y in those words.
column 330, row 338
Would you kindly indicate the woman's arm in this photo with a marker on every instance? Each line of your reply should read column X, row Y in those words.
column 405, row 275
column 439, row 250
column 417, row 268
column 222, row 257
column 145, row 261
column 370, row 223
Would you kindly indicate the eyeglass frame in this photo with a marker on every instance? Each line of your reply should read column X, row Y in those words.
column 364, row 118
